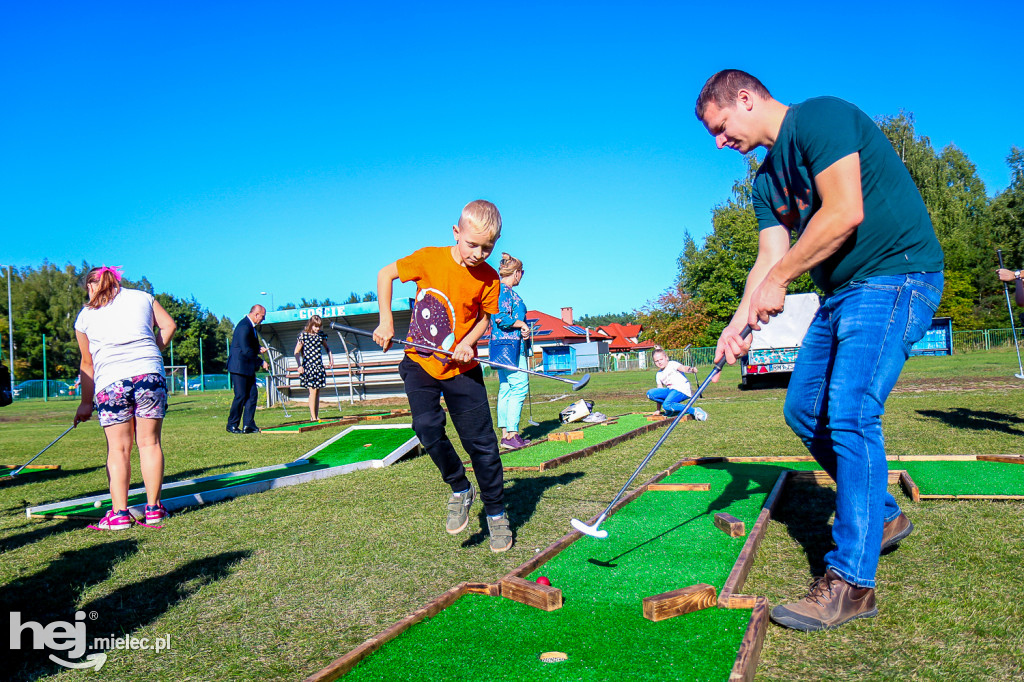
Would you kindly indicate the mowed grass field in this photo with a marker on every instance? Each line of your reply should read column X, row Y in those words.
column 276, row 585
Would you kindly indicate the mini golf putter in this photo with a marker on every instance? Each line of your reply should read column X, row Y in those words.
column 576, row 385
column 595, row 531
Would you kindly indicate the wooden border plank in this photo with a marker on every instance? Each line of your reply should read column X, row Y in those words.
column 931, row 458
column 680, row 487
column 31, row 467
column 489, row 589
column 909, row 487
column 679, row 602
column 738, row 574
column 972, row 497
column 1006, row 459
column 780, row 458
column 543, row 597
column 750, row 648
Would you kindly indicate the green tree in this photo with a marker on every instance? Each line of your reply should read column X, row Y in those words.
column 594, row 321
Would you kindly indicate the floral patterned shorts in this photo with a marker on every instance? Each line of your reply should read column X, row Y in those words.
column 143, row 396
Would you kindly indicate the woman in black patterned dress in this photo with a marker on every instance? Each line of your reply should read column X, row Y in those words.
column 311, row 365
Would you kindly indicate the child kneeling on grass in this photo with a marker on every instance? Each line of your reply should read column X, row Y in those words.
column 456, row 293
column 673, row 388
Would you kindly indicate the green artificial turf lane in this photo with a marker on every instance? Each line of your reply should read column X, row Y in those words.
column 664, row 540
column 547, row 450
column 360, row 445
column 965, row 478
column 491, row 638
column 229, row 481
column 348, row 449
column 300, row 425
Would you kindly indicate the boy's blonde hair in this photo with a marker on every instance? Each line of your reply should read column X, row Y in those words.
column 481, row 217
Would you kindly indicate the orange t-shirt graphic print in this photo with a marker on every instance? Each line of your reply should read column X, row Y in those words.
column 450, row 298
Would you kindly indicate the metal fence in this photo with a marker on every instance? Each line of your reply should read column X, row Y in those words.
column 982, row 340
column 970, row 341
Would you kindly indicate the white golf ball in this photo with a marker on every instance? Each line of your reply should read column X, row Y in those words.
column 98, row 503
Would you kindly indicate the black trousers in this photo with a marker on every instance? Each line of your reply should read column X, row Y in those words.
column 246, row 393
column 466, row 398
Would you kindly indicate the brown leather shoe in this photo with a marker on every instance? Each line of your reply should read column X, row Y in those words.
column 896, row 530
column 831, row 602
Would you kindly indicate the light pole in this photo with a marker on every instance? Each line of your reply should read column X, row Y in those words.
column 10, row 321
column 271, row 294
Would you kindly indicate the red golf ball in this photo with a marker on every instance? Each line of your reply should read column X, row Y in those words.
column 543, row 580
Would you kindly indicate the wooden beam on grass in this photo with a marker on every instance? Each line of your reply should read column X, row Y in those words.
column 1006, row 459
column 31, row 467
column 750, row 647
column 490, row 589
column 681, row 487
column 678, row 602
column 543, row 597
column 738, row 574
column 909, row 487
column 730, row 525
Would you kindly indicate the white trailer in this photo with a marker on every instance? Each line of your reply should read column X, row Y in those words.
column 774, row 347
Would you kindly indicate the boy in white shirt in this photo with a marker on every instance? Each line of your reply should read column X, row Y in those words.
column 673, row 387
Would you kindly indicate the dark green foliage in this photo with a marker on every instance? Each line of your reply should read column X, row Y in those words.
column 595, row 321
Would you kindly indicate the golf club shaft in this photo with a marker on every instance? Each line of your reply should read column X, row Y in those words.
column 689, row 403
column 1009, row 308
column 15, row 472
column 433, row 349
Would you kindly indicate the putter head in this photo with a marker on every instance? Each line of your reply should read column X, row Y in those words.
column 581, row 383
column 592, row 531
column 1019, row 376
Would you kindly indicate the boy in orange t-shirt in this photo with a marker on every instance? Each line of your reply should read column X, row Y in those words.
column 456, row 294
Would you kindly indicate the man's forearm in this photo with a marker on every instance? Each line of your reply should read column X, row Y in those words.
column 826, row 232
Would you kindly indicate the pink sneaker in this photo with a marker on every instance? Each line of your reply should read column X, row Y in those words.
column 156, row 513
column 114, row 520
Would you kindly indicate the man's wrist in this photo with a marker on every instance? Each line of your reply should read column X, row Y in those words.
column 1016, row 274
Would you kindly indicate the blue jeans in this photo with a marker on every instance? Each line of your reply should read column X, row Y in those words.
column 849, row 361
column 670, row 400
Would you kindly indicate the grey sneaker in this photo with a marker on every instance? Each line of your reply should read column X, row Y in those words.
column 501, row 534
column 458, row 510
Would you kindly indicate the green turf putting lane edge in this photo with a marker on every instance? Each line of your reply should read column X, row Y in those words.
column 545, row 453
column 964, row 478
column 358, row 447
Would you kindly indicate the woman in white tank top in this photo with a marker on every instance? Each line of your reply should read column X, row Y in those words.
column 122, row 371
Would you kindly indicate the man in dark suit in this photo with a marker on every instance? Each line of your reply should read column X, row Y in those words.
column 243, row 362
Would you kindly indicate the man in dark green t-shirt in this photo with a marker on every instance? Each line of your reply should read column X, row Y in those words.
column 831, row 178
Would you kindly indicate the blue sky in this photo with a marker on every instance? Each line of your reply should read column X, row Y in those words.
column 224, row 149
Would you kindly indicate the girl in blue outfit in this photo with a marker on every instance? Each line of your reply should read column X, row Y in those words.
column 508, row 329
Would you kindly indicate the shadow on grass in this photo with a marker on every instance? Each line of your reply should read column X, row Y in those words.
column 41, row 530
column 805, row 510
column 544, row 428
column 521, row 500
column 51, row 595
column 117, row 614
column 186, row 475
column 979, row 420
column 43, row 476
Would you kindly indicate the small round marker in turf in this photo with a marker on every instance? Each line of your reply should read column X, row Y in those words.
column 553, row 657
